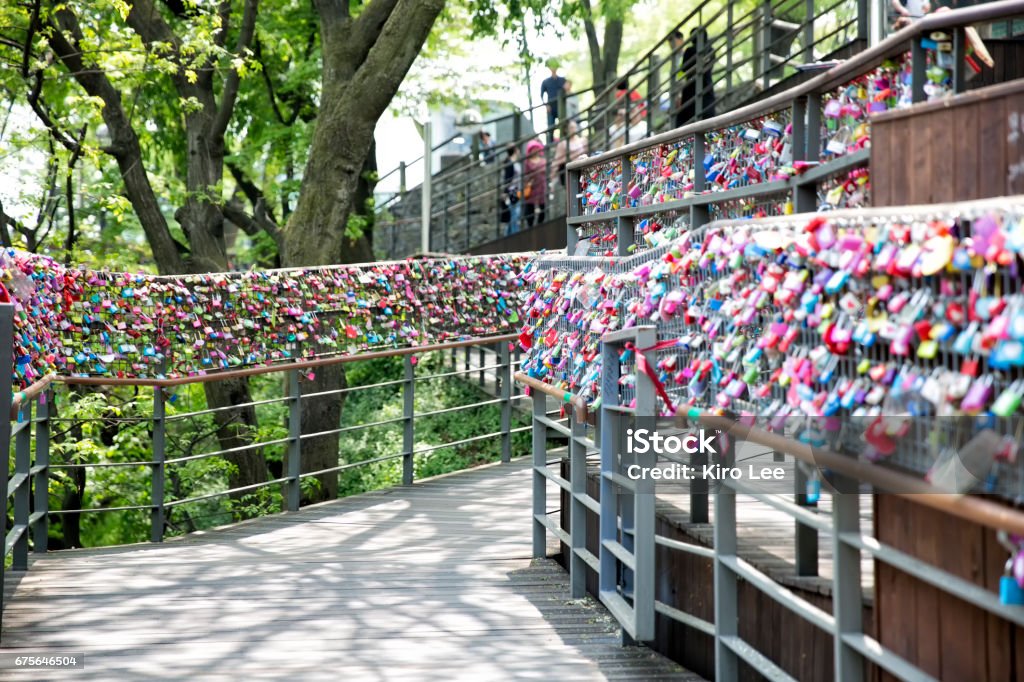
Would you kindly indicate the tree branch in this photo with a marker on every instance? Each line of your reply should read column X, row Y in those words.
column 253, row 193
column 252, row 224
column 333, row 14
column 367, row 29
column 125, row 147
column 379, row 76
column 596, row 62
column 231, row 83
column 268, row 81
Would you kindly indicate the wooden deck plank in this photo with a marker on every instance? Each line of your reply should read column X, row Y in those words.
column 428, row 582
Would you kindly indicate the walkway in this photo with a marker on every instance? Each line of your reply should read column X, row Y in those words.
column 429, row 582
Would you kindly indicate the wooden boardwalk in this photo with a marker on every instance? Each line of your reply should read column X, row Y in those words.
column 431, row 582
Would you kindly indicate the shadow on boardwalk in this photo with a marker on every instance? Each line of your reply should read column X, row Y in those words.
column 428, row 582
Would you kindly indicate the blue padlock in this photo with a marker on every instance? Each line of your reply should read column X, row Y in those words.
column 1010, row 592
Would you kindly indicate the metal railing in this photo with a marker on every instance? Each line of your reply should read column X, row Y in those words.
column 626, row 563
column 800, row 119
column 745, row 55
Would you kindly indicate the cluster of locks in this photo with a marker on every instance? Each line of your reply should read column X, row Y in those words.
column 890, row 323
column 134, row 325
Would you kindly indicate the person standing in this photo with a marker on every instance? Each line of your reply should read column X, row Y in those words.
column 551, row 88
column 535, row 184
column 572, row 147
column 486, row 147
column 676, row 43
column 698, row 59
column 513, row 181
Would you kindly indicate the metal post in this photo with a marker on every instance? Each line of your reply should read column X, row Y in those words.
column 6, row 398
column 22, row 465
column 408, row 424
column 652, row 89
column 156, row 531
column 401, row 178
column 728, row 46
column 725, row 582
column 468, row 189
column 864, row 19
column 505, row 393
column 444, row 220
column 425, row 198
column 294, row 484
column 623, row 235
column 918, row 66
column 847, row 601
column 812, row 149
column 577, row 510
column 806, row 538
column 871, row 11
column 611, row 436
column 481, row 364
column 809, row 31
column 766, row 44
column 698, row 212
column 643, row 499
column 959, row 52
column 540, row 493
column 806, row 147
column 41, row 478
column 698, row 76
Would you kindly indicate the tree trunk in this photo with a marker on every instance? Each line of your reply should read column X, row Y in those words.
column 237, row 428
column 322, row 414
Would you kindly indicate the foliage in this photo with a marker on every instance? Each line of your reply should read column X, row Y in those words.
column 114, row 427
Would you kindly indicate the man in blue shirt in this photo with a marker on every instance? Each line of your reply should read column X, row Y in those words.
column 550, row 89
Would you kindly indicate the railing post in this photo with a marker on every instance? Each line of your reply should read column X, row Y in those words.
column 624, row 226
column 725, row 582
column 22, row 466
column 729, row 29
column 806, row 141
column 766, row 44
column 652, row 89
column 408, row 416
column 294, row 485
column 6, row 398
column 644, row 497
column 918, row 67
column 806, row 538
column 505, row 381
column 698, row 212
column 481, row 364
column 401, row 178
column 847, row 600
column 808, row 31
column 156, row 530
column 864, row 19
column 540, row 493
column 577, row 511
column 41, row 475
column 959, row 51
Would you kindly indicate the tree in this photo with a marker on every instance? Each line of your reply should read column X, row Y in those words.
column 165, row 81
column 606, row 18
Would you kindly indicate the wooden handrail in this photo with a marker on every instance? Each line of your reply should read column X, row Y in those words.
column 284, row 366
column 968, row 507
column 565, row 396
column 29, row 392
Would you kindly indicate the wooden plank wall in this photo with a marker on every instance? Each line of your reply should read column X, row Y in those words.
column 971, row 147
column 945, row 636
column 686, row 582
